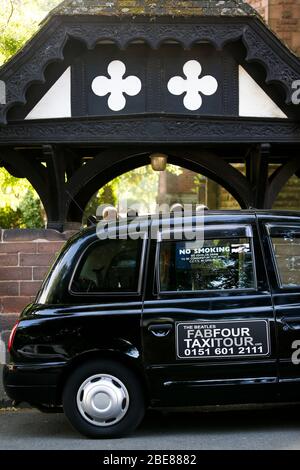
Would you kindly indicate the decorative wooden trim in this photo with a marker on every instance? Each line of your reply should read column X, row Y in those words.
column 150, row 128
column 78, row 89
column 28, row 67
column 231, row 87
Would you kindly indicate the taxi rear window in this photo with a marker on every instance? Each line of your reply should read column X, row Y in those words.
column 216, row 264
column 109, row 266
column 287, row 256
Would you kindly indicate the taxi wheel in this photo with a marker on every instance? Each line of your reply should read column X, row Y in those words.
column 103, row 399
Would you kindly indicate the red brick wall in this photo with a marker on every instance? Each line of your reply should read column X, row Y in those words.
column 25, row 258
column 262, row 6
column 183, row 183
column 283, row 17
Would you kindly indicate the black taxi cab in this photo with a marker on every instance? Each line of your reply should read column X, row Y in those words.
column 125, row 323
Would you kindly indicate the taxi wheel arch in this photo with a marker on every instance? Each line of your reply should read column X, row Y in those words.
column 104, row 355
column 118, row 379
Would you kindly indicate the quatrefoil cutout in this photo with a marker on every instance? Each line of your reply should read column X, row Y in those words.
column 192, row 85
column 116, row 86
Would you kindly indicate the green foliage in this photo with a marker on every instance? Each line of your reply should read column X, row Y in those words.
column 19, row 20
column 20, row 205
column 9, row 218
column 13, row 190
column 106, row 195
column 199, row 182
column 31, row 213
column 139, row 186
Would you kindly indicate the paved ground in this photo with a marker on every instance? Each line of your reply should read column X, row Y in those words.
column 235, row 429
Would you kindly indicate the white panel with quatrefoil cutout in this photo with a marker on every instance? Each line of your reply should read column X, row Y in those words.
column 192, row 85
column 116, row 85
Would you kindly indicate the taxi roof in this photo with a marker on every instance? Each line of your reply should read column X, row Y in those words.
column 221, row 217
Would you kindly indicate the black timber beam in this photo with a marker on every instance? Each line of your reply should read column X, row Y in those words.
column 257, row 172
column 151, row 128
column 56, row 168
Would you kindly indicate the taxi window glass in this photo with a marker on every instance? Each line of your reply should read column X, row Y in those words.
column 109, row 266
column 218, row 264
column 287, row 255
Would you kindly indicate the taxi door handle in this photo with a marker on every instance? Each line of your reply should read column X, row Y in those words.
column 161, row 330
column 291, row 323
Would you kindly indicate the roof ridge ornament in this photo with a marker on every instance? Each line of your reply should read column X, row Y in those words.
column 155, row 8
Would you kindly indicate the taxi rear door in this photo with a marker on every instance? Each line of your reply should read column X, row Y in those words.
column 208, row 325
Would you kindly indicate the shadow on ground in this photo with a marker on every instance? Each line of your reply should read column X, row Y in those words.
column 275, row 428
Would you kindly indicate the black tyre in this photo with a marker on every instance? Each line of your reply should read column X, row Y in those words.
column 103, row 399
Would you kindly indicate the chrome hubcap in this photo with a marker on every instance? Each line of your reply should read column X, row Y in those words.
column 102, row 400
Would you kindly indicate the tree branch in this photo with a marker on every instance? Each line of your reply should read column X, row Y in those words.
column 12, row 8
